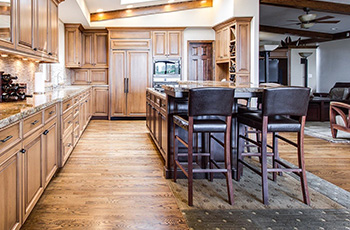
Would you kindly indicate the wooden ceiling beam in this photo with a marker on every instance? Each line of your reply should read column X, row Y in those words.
column 148, row 10
column 301, row 33
column 330, row 7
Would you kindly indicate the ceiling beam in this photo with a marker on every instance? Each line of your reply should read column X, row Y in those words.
column 302, row 33
column 330, row 7
column 148, row 10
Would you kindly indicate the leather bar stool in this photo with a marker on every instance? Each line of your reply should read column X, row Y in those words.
column 277, row 106
column 209, row 111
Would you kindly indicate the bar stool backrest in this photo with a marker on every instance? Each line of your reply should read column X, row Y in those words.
column 210, row 101
column 291, row 101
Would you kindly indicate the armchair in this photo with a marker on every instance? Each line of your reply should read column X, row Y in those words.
column 339, row 117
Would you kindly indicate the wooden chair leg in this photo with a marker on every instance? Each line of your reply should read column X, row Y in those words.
column 264, row 175
column 276, row 156
column 246, row 134
column 228, row 162
column 301, row 161
column 334, row 132
column 190, row 163
column 175, row 152
column 240, row 149
column 211, row 164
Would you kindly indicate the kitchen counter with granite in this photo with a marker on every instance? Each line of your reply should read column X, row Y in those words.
column 11, row 112
column 162, row 95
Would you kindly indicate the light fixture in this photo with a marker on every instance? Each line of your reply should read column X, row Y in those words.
column 306, row 25
column 307, row 17
column 99, row 10
column 129, row 6
column 25, row 59
column 4, row 55
column 171, row 1
column 37, row 61
column 303, row 60
column 204, row 1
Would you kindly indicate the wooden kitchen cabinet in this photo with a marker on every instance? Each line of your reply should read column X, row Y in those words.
column 33, row 184
column 50, row 148
column 90, row 76
column 8, row 30
column 53, row 30
column 25, row 25
column 167, row 43
column 10, row 188
column 95, row 50
column 100, row 101
column 41, row 26
column 131, row 76
column 73, row 45
column 222, row 44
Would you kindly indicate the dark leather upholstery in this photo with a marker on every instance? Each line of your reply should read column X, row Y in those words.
column 210, row 101
column 291, row 101
column 202, row 124
column 275, row 123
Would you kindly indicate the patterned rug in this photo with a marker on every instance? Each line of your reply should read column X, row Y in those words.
column 322, row 131
column 329, row 204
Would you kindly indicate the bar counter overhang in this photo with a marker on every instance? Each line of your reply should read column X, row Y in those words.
column 162, row 106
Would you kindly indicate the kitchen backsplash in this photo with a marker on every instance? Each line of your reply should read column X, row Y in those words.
column 25, row 71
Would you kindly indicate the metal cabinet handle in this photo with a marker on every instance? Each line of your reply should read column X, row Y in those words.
column 69, row 122
column 50, row 53
column 6, row 139
column 68, row 105
column 125, row 87
column 23, row 150
column 51, row 112
column 35, row 49
column 46, row 132
column 35, row 122
column 69, row 145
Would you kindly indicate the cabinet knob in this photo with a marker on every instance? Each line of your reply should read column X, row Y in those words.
column 35, row 49
column 23, row 150
column 50, row 53
column 35, row 122
column 46, row 132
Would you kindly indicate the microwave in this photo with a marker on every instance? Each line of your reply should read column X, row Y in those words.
column 166, row 67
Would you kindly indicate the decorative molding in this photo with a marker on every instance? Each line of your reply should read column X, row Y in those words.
column 149, row 10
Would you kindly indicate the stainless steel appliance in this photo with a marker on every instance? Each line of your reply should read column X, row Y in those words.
column 166, row 71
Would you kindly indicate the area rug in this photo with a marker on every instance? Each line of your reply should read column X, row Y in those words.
column 322, row 130
column 329, row 204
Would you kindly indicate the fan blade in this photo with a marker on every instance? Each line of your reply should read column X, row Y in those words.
column 291, row 20
column 323, row 18
column 291, row 24
column 331, row 22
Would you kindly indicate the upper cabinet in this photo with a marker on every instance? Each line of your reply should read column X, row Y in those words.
column 36, row 29
column 222, row 44
column 7, row 30
column 167, row 43
column 85, row 48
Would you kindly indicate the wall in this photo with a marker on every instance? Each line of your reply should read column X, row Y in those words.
column 333, row 64
column 297, row 71
column 194, row 34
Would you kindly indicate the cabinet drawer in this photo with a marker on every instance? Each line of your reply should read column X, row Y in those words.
column 76, row 121
column 67, row 104
column 76, row 111
column 67, row 122
column 76, row 100
column 130, row 44
column 32, row 123
column 67, row 146
column 50, row 113
column 8, row 136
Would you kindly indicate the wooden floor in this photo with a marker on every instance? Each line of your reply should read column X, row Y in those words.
column 113, row 180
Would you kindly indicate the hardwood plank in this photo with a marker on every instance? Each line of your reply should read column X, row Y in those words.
column 113, row 180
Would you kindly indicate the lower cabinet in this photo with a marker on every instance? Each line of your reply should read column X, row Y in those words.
column 33, row 184
column 10, row 188
column 100, row 101
column 50, row 149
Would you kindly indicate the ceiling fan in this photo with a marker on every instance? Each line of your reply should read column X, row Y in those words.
column 308, row 19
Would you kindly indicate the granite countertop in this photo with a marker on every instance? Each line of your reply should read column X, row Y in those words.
column 11, row 112
column 157, row 93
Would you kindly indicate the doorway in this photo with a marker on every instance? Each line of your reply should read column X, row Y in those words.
column 200, row 60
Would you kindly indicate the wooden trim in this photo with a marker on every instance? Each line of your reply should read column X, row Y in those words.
column 144, row 28
column 230, row 21
column 149, row 10
column 330, row 7
column 303, row 33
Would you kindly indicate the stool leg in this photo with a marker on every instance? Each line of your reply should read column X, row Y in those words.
column 211, row 164
column 175, row 151
column 240, row 149
column 275, row 156
column 228, row 160
column 303, row 179
column 247, row 135
column 190, row 161
column 264, row 176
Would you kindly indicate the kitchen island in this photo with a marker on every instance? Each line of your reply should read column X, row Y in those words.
column 174, row 100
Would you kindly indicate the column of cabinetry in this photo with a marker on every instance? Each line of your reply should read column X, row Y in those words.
column 233, row 50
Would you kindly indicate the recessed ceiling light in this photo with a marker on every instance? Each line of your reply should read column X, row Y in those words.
column 204, row 1
column 129, row 6
column 37, row 61
column 171, row 1
column 4, row 55
column 99, row 10
column 25, row 59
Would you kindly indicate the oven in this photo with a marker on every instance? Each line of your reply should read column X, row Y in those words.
column 166, row 71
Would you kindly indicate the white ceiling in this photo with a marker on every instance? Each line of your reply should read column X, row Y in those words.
column 108, row 5
column 279, row 16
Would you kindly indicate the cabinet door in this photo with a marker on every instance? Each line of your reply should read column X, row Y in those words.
column 82, row 114
column 174, row 43
column 243, row 47
column 81, row 76
column 164, row 134
column 117, row 73
column 33, row 185
column 101, row 43
column 100, row 101
column 225, row 43
column 88, row 50
column 41, row 26
column 138, row 81
column 10, row 189
column 7, row 30
column 53, row 29
column 73, row 47
column 159, row 43
column 98, row 76
column 50, row 151
column 25, row 25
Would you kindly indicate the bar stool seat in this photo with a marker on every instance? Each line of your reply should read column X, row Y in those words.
column 276, row 123
column 201, row 124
